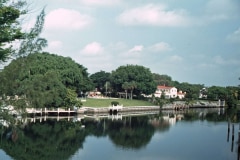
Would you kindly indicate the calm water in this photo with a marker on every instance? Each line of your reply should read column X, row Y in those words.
column 198, row 135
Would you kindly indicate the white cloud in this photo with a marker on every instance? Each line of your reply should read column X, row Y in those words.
column 137, row 48
column 67, row 19
column 160, row 47
column 93, row 49
column 235, row 36
column 133, row 54
column 96, row 57
column 101, row 2
column 155, row 15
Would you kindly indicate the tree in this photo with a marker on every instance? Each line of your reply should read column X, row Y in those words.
column 162, row 79
column 126, row 86
column 217, row 92
column 71, row 99
column 135, row 75
column 133, row 85
column 129, row 86
column 44, row 79
column 192, row 90
column 99, row 80
column 32, row 43
column 232, row 96
column 10, row 29
column 108, row 88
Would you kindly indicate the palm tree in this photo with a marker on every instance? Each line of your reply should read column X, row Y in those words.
column 125, row 86
column 132, row 86
column 129, row 86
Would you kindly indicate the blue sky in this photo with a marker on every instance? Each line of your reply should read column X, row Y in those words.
column 191, row 41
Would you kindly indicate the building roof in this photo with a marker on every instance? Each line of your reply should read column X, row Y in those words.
column 164, row 87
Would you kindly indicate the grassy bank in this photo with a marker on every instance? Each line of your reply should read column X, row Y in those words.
column 90, row 102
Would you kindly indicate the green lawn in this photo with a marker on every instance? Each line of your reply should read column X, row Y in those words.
column 91, row 102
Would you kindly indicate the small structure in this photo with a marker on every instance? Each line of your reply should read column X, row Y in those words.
column 50, row 112
column 94, row 93
column 115, row 109
column 181, row 94
column 203, row 93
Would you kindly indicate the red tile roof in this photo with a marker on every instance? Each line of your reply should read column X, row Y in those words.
column 164, row 87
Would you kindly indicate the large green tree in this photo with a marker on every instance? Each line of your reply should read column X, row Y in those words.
column 162, row 79
column 100, row 79
column 10, row 29
column 139, row 76
column 44, row 79
column 216, row 92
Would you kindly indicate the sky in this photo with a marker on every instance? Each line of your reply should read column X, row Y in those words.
column 191, row 41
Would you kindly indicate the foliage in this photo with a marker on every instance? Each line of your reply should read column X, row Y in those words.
column 32, row 43
column 192, row 90
column 232, row 96
column 43, row 78
column 129, row 86
column 10, row 29
column 43, row 141
column 216, row 92
column 135, row 134
column 99, row 80
column 162, row 101
column 162, row 79
column 141, row 76
column 71, row 99
column 114, row 103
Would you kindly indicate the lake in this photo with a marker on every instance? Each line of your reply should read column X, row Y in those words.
column 168, row 135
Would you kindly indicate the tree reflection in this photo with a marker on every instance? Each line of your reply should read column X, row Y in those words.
column 43, row 141
column 131, row 133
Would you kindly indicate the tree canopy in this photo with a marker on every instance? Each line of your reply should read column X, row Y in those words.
column 162, row 79
column 99, row 79
column 136, row 75
column 10, row 29
column 44, row 79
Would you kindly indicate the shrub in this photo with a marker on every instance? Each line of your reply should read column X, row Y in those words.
column 115, row 103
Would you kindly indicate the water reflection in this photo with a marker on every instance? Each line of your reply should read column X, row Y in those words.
column 60, row 138
column 43, row 140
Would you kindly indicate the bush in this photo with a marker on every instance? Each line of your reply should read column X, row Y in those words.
column 114, row 103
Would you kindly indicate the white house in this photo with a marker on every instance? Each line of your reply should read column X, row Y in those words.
column 169, row 92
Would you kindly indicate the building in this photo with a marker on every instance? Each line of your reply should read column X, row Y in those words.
column 181, row 94
column 168, row 92
column 203, row 93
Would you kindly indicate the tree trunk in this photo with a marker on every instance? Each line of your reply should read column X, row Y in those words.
column 131, row 94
